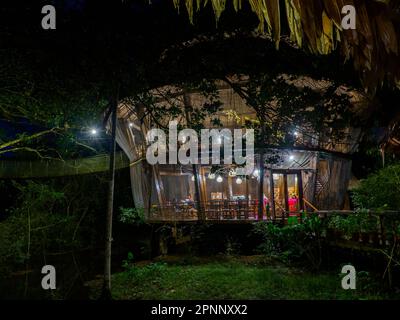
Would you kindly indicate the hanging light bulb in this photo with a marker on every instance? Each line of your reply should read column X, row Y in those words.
column 291, row 157
column 255, row 173
column 239, row 180
column 93, row 132
column 211, row 176
column 192, row 178
column 219, row 179
column 295, row 133
column 130, row 124
column 232, row 173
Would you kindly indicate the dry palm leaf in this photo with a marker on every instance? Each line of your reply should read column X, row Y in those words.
column 294, row 21
column 316, row 25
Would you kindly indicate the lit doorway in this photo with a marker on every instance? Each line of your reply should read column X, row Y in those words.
column 287, row 192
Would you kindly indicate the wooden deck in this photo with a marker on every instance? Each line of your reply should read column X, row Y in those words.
column 231, row 212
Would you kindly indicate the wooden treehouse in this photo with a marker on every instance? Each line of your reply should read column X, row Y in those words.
column 312, row 174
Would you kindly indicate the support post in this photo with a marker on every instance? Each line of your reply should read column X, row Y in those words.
column 197, row 193
column 285, row 190
column 187, row 105
column 300, row 188
column 261, row 188
column 272, row 194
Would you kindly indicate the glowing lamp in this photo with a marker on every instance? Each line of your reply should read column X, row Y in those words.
column 255, row 173
column 232, row 173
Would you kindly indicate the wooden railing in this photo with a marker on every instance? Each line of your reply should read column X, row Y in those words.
column 383, row 230
column 384, row 233
column 216, row 210
column 308, row 203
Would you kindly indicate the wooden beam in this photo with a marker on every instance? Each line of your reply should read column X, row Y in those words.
column 300, row 186
column 261, row 188
column 285, row 190
column 272, row 194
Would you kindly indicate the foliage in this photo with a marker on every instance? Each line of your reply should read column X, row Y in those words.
column 358, row 222
column 323, row 37
column 134, row 216
column 171, row 108
column 380, row 191
column 138, row 274
column 287, row 103
column 54, row 110
column 129, row 260
column 295, row 242
column 48, row 219
column 35, row 226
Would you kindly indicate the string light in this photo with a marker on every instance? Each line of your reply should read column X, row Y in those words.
column 255, row 173
column 239, row 180
column 291, row 157
column 93, row 132
column 192, row 178
column 211, row 176
column 219, row 179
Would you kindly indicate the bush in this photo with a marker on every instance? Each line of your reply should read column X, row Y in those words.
column 380, row 191
column 300, row 242
column 358, row 222
column 44, row 219
column 134, row 216
column 36, row 225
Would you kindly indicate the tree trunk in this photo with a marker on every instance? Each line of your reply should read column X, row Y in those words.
column 106, row 292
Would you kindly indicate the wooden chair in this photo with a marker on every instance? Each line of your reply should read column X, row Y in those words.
column 226, row 210
column 252, row 210
column 242, row 208
column 212, row 210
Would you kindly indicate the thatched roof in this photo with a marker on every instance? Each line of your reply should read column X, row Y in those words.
column 316, row 26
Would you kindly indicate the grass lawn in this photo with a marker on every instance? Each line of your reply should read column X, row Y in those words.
column 232, row 278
